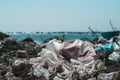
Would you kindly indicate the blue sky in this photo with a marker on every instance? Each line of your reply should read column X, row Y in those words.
column 58, row 15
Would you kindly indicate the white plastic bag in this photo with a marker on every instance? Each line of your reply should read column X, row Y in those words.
column 114, row 56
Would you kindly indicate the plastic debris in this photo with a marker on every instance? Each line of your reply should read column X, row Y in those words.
column 76, row 48
column 105, row 47
column 53, row 45
column 108, row 76
column 58, row 60
column 21, row 54
column 114, row 56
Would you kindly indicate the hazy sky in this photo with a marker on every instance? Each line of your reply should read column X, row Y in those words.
column 58, row 15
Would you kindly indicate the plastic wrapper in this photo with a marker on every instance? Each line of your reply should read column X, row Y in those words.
column 105, row 47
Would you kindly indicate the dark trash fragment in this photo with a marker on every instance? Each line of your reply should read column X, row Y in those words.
column 3, row 35
column 21, row 54
column 21, row 69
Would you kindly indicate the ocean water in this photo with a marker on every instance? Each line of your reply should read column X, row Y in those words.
column 40, row 37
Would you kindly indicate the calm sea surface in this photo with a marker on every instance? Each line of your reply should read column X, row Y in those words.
column 41, row 37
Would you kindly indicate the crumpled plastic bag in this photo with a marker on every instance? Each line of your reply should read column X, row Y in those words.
column 114, row 56
column 105, row 47
column 116, row 46
column 76, row 48
column 45, row 54
column 87, row 65
column 53, row 45
column 46, row 58
column 108, row 76
column 37, row 70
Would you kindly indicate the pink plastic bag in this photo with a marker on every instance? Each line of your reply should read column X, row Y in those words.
column 76, row 48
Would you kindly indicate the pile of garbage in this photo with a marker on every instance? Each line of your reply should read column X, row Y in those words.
column 56, row 59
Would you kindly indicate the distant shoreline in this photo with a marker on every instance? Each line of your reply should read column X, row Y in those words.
column 60, row 32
